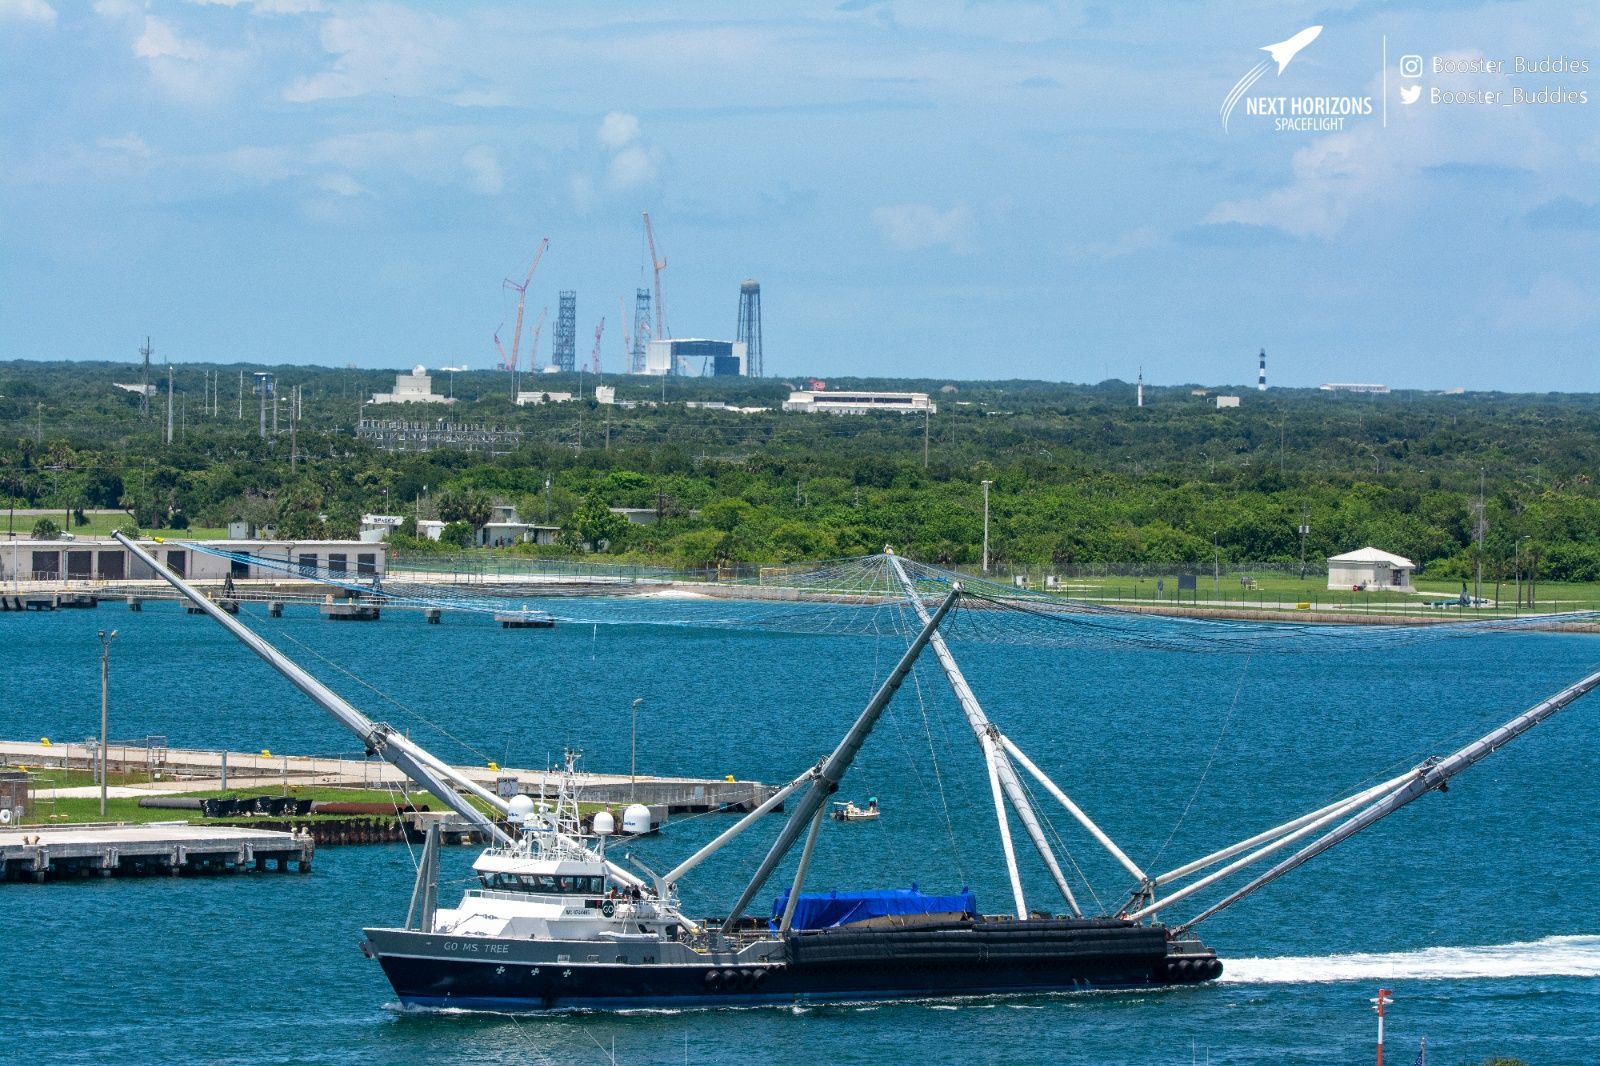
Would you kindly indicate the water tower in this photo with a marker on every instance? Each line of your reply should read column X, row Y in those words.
column 750, row 325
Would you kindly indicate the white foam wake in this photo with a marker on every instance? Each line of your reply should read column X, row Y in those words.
column 1551, row 956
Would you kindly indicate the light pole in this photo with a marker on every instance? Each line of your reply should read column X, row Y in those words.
column 1518, row 568
column 105, row 693
column 986, row 485
column 1216, row 567
column 633, row 756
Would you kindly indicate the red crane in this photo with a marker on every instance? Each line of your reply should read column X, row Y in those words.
column 595, row 358
column 533, row 344
column 657, row 264
column 505, row 364
column 522, row 297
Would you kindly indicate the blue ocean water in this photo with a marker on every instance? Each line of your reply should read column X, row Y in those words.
column 1473, row 906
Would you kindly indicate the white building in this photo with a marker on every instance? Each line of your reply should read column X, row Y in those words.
column 1370, row 568
column 1227, row 401
column 102, row 559
column 505, row 528
column 538, row 396
column 415, row 387
column 858, row 402
column 1373, row 390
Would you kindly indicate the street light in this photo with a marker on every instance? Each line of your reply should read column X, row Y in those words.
column 633, row 757
column 105, row 692
column 986, row 485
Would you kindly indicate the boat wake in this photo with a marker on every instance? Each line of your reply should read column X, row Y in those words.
column 1551, row 956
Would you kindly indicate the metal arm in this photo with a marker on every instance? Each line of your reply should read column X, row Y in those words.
column 837, row 764
column 772, row 801
column 1427, row 780
column 396, row 749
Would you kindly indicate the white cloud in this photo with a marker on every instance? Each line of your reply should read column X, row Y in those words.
column 130, row 144
column 918, row 226
column 383, row 48
column 1552, row 303
column 160, row 40
column 632, row 167
column 268, row 7
column 341, row 185
column 27, row 11
column 618, row 130
column 483, row 170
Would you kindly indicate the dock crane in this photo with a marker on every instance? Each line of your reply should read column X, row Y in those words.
column 657, row 264
column 522, row 297
column 594, row 359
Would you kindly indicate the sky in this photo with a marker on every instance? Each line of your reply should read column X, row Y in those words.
column 976, row 190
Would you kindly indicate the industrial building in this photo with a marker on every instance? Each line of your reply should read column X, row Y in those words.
column 858, row 402
column 696, row 355
column 1227, row 401
column 1370, row 568
column 415, row 387
column 1375, row 390
column 103, row 559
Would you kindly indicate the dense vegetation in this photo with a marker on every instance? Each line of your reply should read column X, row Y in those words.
column 1081, row 477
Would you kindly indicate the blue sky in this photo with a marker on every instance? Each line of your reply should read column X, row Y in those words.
column 987, row 189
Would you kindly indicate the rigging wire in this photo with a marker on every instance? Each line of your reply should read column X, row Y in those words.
column 1216, row 748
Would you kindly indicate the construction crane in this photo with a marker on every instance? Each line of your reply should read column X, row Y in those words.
column 533, row 344
column 657, row 264
column 522, row 297
column 594, row 359
column 627, row 345
column 504, row 363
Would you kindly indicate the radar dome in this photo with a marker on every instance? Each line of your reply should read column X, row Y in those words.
column 605, row 823
column 636, row 819
column 519, row 808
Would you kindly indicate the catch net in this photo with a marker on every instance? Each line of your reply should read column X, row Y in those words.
column 857, row 596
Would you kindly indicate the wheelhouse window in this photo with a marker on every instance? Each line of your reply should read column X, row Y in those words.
column 546, row 884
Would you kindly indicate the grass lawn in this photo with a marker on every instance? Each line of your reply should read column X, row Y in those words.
column 87, row 809
column 1274, row 590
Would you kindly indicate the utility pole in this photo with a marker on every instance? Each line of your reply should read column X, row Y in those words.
column 633, row 757
column 1305, row 530
column 169, row 403
column 986, row 485
column 1216, row 568
column 1477, row 583
column 105, row 694
column 241, row 395
column 927, row 418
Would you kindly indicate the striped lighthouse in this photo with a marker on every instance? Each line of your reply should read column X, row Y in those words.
column 1261, row 379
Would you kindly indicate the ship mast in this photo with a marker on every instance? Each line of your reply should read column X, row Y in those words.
column 998, row 751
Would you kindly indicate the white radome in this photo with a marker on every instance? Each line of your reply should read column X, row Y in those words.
column 519, row 808
column 605, row 823
column 636, row 819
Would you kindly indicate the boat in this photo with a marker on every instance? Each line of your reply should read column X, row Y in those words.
column 847, row 811
column 555, row 923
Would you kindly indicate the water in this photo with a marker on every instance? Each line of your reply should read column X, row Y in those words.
column 1474, row 907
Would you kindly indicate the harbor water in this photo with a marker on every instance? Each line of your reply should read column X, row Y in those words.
column 1475, row 907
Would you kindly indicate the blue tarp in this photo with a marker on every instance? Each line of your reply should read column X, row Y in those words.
column 824, row 910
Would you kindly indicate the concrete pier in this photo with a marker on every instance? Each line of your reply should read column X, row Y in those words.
column 349, row 612
column 41, row 853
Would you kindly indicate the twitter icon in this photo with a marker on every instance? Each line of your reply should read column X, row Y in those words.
column 1410, row 94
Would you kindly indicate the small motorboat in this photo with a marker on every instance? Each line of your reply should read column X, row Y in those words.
column 847, row 811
